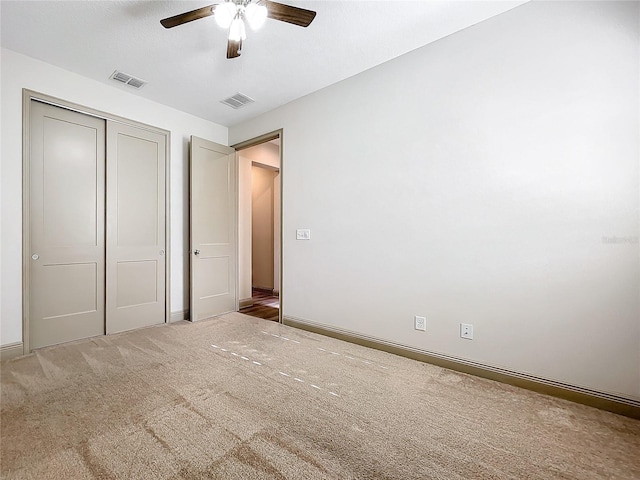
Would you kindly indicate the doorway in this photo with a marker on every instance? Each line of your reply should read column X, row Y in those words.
column 259, row 227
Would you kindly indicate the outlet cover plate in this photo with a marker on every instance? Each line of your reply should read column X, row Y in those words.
column 466, row 331
column 420, row 323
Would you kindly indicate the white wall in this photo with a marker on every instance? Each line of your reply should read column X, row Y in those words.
column 276, row 231
column 244, row 226
column 474, row 180
column 267, row 154
column 18, row 72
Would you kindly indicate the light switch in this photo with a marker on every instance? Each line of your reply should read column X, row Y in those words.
column 303, row 234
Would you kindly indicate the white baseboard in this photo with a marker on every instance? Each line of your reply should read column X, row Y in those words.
column 11, row 350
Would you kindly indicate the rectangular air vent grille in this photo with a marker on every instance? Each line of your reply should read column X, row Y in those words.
column 238, row 100
column 127, row 79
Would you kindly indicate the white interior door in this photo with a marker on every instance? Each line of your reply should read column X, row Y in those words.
column 66, row 225
column 212, row 224
column 136, row 240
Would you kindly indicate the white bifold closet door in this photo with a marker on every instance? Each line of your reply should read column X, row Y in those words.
column 96, row 226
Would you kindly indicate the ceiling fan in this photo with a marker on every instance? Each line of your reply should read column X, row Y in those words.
column 233, row 13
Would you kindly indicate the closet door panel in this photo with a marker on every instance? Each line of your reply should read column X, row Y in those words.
column 66, row 225
column 135, row 227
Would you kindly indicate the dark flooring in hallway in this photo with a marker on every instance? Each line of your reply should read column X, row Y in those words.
column 264, row 306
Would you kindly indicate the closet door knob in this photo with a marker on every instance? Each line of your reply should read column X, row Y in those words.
column 197, row 252
column 35, row 256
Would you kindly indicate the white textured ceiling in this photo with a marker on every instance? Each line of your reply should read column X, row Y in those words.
column 187, row 68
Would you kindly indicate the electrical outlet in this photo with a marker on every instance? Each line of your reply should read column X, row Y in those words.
column 466, row 331
column 420, row 323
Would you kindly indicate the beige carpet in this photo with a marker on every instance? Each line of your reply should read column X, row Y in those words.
column 242, row 398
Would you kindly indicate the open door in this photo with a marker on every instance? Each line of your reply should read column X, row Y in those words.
column 212, row 228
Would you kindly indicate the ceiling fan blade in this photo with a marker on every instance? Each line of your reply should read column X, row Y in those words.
column 289, row 14
column 233, row 48
column 186, row 17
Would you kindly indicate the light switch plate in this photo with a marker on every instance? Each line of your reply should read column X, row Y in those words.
column 303, row 234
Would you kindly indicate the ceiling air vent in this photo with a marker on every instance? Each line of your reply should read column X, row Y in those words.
column 127, row 79
column 238, row 100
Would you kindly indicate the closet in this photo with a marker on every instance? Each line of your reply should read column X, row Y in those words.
column 95, row 226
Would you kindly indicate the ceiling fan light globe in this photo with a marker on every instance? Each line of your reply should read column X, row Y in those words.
column 255, row 15
column 224, row 14
column 237, row 30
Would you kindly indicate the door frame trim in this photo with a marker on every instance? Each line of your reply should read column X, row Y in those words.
column 267, row 137
column 27, row 97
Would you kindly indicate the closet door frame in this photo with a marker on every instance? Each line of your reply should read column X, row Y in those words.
column 27, row 97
